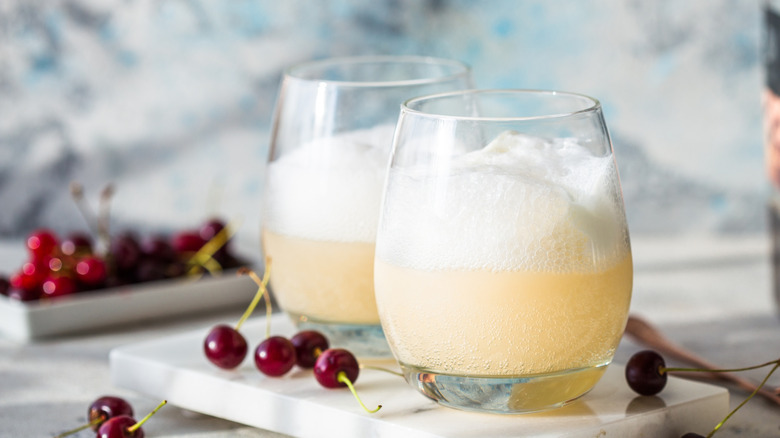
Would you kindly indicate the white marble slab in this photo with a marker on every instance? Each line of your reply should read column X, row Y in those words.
column 175, row 369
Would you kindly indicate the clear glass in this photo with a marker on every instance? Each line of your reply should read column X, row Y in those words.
column 503, row 268
column 330, row 145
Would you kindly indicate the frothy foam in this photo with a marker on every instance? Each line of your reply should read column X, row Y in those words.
column 518, row 203
column 330, row 189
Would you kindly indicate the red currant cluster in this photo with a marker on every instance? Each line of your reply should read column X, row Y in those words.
column 275, row 356
column 62, row 267
column 112, row 417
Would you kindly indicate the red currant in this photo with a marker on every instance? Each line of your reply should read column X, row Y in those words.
column 644, row 373
column 225, row 347
column 332, row 362
column 275, row 356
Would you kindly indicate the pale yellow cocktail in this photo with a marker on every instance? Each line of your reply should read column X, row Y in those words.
column 323, row 281
column 503, row 275
column 330, row 142
column 528, row 331
column 322, row 207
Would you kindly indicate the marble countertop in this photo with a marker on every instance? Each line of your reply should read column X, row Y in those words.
column 712, row 295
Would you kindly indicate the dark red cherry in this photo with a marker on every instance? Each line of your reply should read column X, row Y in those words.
column 125, row 252
column 225, row 347
column 643, row 373
column 309, row 344
column 124, row 426
column 58, row 286
column 692, row 435
column 187, row 241
column 77, row 243
column 107, row 407
column 158, row 248
column 92, row 271
column 5, row 285
column 41, row 242
column 210, row 229
column 333, row 361
column 275, row 356
column 30, row 277
column 119, row 427
column 151, row 270
column 24, row 294
column 222, row 255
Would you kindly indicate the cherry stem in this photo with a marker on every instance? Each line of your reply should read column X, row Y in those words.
column 80, row 428
column 262, row 291
column 77, row 193
column 752, row 394
column 342, row 377
column 103, row 220
column 372, row 367
column 662, row 370
column 203, row 257
column 646, row 333
column 138, row 425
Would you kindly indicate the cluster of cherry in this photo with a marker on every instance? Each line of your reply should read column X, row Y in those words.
column 71, row 265
column 275, row 356
column 112, row 417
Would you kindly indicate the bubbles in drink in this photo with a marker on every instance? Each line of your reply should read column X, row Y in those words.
column 321, row 213
column 519, row 203
column 522, row 242
column 330, row 189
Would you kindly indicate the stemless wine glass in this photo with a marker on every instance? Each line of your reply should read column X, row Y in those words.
column 503, row 268
column 330, row 145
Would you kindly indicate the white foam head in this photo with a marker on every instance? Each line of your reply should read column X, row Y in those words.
column 518, row 203
column 330, row 189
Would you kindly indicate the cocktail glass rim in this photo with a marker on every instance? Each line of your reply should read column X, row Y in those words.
column 459, row 70
column 590, row 105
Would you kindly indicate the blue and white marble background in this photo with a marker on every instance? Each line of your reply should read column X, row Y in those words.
column 171, row 100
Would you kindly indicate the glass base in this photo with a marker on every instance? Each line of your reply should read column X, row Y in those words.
column 362, row 340
column 504, row 395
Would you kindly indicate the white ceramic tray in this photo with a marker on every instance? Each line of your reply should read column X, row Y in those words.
column 174, row 368
column 31, row 320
